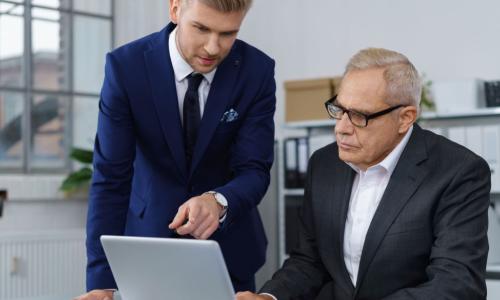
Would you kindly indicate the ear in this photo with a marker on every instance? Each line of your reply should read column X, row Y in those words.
column 407, row 116
column 174, row 10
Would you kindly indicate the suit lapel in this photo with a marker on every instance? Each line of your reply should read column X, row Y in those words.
column 405, row 179
column 162, row 82
column 217, row 101
column 345, row 178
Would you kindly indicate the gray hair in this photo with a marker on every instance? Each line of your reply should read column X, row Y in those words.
column 227, row 5
column 404, row 85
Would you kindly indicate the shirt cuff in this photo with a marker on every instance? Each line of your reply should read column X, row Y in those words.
column 223, row 218
column 274, row 298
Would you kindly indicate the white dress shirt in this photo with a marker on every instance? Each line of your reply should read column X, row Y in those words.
column 181, row 70
column 367, row 190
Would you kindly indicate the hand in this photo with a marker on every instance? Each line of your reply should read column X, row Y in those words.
column 202, row 213
column 96, row 295
column 252, row 296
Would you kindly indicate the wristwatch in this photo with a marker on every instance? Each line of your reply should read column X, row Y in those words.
column 221, row 200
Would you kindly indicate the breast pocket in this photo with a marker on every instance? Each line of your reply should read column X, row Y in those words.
column 224, row 135
column 406, row 227
column 227, row 127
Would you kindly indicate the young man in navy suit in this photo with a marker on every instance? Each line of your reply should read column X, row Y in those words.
column 185, row 141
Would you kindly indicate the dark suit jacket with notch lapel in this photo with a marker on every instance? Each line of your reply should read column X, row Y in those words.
column 140, row 175
column 427, row 239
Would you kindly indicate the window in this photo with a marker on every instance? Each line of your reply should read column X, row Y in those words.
column 51, row 69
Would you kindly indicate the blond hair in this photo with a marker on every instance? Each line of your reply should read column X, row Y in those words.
column 404, row 85
column 227, row 5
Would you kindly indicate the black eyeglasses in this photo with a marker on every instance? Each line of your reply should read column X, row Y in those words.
column 357, row 119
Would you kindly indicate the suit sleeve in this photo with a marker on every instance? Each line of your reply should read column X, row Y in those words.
column 303, row 274
column 114, row 153
column 459, row 253
column 252, row 153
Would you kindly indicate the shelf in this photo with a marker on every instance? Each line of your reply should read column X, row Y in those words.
column 309, row 124
column 480, row 112
column 78, row 198
column 293, row 192
column 33, row 187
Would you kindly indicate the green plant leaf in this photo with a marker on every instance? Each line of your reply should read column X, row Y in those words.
column 82, row 155
column 76, row 179
column 426, row 100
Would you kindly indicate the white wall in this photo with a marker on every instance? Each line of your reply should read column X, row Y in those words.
column 43, row 215
column 134, row 19
column 446, row 39
column 35, row 203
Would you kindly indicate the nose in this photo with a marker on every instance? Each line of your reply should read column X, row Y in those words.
column 344, row 125
column 212, row 46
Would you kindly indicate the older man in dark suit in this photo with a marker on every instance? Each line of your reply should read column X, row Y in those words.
column 391, row 211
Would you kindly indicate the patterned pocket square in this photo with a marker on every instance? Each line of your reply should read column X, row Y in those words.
column 230, row 116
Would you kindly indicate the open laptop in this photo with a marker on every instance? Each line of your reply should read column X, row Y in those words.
column 162, row 268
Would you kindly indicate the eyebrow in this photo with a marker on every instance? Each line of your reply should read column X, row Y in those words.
column 196, row 23
column 336, row 102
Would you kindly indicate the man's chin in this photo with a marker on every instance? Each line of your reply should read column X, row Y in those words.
column 204, row 69
column 346, row 157
column 200, row 67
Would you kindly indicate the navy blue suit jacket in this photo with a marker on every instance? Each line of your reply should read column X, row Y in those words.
column 140, row 174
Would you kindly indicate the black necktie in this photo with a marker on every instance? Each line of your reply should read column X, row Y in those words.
column 191, row 114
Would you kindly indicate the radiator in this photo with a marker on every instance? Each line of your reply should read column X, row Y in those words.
column 42, row 264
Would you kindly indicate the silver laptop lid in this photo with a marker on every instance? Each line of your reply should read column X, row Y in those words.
column 161, row 268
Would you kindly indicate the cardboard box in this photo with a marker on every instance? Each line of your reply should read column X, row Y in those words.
column 305, row 98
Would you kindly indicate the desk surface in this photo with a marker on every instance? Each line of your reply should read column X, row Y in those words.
column 493, row 271
column 61, row 297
